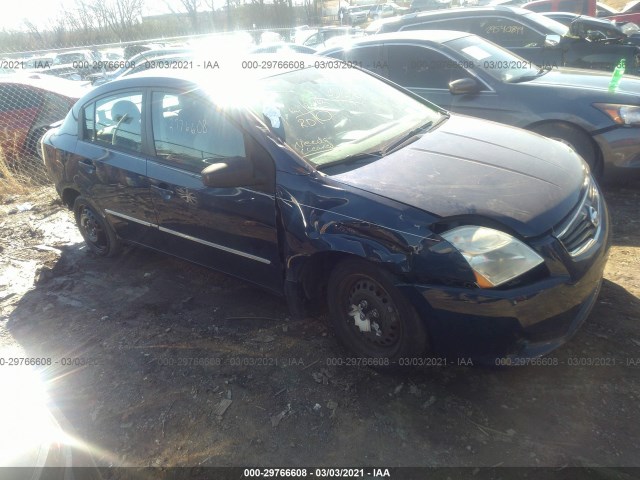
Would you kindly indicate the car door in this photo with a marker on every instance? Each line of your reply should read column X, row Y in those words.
column 428, row 73
column 229, row 229
column 111, row 168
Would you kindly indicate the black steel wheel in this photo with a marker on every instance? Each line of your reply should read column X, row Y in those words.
column 370, row 315
column 97, row 233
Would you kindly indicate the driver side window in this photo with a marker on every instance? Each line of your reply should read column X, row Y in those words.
column 190, row 133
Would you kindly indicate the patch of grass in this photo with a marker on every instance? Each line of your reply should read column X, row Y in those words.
column 20, row 172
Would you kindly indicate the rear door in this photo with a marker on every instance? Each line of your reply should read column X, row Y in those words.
column 230, row 229
column 110, row 167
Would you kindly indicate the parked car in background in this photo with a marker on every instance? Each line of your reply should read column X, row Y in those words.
column 75, row 65
column 421, row 5
column 29, row 104
column 317, row 38
column 40, row 63
column 354, row 14
column 466, row 74
column 528, row 34
column 289, row 179
column 630, row 13
column 597, row 29
column 386, row 10
column 283, row 48
column 604, row 10
column 137, row 63
column 112, row 54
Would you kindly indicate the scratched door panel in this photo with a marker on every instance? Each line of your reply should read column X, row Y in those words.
column 229, row 229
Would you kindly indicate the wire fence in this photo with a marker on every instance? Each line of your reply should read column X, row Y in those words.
column 44, row 71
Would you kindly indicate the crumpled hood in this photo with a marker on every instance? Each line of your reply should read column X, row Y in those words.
column 474, row 167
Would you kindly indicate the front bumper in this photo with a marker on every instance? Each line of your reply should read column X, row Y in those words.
column 620, row 148
column 525, row 322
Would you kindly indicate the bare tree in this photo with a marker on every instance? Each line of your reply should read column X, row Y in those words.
column 119, row 16
column 192, row 10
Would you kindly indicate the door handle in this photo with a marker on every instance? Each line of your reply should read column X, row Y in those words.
column 164, row 193
column 87, row 166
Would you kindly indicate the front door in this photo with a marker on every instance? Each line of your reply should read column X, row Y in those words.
column 230, row 229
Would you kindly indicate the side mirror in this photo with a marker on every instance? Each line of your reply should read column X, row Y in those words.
column 552, row 40
column 464, row 86
column 228, row 173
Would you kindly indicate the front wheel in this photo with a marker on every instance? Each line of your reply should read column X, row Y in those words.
column 370, row 315
column 97, row 233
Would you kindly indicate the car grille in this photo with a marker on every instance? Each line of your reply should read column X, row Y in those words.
column 579, row 232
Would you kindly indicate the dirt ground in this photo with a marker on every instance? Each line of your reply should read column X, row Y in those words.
column 157, row 362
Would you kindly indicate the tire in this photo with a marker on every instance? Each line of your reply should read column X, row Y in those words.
column 97, row 233
column 577, row 140
column 357, row 287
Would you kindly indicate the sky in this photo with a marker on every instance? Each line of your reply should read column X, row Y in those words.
column 44, row 12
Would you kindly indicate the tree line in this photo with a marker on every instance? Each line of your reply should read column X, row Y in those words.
column 100, row 22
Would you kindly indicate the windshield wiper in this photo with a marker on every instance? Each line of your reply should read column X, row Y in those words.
column 541, row 71
column 406, row 138
column 356, row 157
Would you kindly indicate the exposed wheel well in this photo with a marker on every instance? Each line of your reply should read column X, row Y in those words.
column 69, row 196
column 314, row 275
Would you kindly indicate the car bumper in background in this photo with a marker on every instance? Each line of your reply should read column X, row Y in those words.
column 620, row 149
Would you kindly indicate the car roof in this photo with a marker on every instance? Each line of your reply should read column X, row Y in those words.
column 431, row 36
column 603, row 21
column 231, row 68
column 467, row 11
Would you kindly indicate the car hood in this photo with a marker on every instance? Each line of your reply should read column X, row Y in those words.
column 467, row 166
column 588, row 80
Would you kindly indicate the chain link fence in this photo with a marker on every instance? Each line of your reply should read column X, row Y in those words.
column 44, row 71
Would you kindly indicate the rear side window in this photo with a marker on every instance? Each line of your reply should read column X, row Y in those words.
column 508, row 33
column 115, row 121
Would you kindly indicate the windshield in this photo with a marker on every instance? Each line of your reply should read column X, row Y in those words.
column 494, row 60
column 327, row 115
column 551, row 24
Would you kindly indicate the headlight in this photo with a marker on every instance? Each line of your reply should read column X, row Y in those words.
column 621, row 114
column 494, row 256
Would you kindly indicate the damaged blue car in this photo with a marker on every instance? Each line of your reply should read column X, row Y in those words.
column 422, row 232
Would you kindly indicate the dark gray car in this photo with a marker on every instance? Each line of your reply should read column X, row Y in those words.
column 528, row 34
column 467, row 74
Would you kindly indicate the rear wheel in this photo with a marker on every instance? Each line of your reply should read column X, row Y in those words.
column 97, row 233
column 370, row 315
column 577, row 140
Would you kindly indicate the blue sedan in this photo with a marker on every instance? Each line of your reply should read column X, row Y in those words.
column 422, row 232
